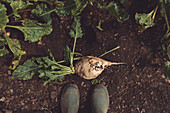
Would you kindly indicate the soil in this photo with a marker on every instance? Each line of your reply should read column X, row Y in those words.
column 137, row 87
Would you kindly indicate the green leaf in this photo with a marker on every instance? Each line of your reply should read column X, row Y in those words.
column 33, row 31
column 114, row 9
column 3, row 17
column 79, row 6
column 165, row 12
column 124, row 2
column 46, row 1
column 168, row 49
column 3, row 51
column 19, row 5
column 99, row 26
column 26, row 71
column 45, row 62
column 165, row 4
column 95, row 81
column 3, row 41
column 7, row 1
column 145, row 20
column 67, row 53
column 63, row 8
column 51, row 55
column 167, row 70
column 15, row 46
column 51, row 70
column 76, row 31
column 40, row 12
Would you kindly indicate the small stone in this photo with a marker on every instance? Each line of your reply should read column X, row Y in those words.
column 11, row 90
column 2, row 99
column 9, row 72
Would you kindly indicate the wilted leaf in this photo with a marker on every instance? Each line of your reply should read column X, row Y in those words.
column 79, row 6
column 3, row 51
column 3, row 17
column 145, row 20
column 15, row 63
column 26, row 71
column 19, row 5
column 76, row 31
column 15, row 46
column 40, row 12
column 167, row 70
column 113, row 8
column 34, row 31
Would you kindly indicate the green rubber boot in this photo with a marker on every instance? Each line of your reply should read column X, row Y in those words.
column 70, row 99
column 99, row 99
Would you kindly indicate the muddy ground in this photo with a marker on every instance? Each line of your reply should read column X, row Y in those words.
column 137, row 87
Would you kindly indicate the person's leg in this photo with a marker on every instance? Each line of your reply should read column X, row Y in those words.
column 70, row 99
column 99, row 99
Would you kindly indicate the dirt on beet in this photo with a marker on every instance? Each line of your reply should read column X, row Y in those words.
column 137, row 87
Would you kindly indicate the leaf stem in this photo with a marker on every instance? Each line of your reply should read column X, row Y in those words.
column 166, row 19
column 10, row 14
column 109, row 51
column 72, row 54
column 62, row 61
column 48, row 12
column 25, row 27
column 37, row 1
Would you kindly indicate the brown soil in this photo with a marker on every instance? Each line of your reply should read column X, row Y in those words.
column 137, row 87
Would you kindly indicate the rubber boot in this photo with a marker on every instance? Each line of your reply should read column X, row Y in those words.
column 70, row 99
column 99, row 99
